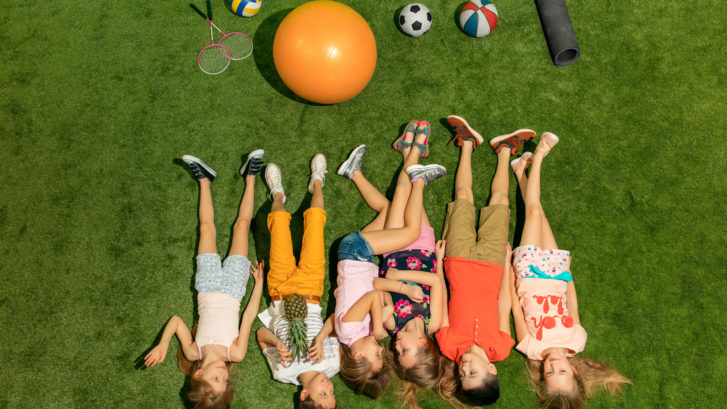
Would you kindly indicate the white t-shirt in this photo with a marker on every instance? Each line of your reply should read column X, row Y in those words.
column 275, row 321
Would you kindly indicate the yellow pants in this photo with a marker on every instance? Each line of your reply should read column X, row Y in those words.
column 308, row 275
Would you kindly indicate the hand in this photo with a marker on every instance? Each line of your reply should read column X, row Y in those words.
column 414, row 292
column 315, row 353
column 439, row 249
column 156, row 355
column 380, row 334
column 285, row 356
column 258, row 271
column 508, row 252
column 391, row 273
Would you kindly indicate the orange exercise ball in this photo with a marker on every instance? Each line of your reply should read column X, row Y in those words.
column 325, row 52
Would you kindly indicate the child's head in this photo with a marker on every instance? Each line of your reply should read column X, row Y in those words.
column 478, row 381
column 417, row 362
column 565, row 383
column 207, row 386
column 363, row 369
column 317, row 392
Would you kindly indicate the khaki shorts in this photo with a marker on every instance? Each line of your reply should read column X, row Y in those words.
column 487, row 243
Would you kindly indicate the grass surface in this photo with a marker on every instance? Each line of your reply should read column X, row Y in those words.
column 99, row 223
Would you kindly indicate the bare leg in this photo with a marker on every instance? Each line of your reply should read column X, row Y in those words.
column 317, row 198
column 536, row 230
column 207, row 231
column 278, row 205
column 239, row 245
column 501, row 182
column 373, row 198
column 385, row 241
column 463, row 177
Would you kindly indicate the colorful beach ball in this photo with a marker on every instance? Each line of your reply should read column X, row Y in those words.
column 478, row 18
column 245, row 8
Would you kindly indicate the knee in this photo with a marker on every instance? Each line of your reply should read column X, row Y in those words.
column 242, row 224
column 499, row 199
column 533, row 211
column 207, row 229
column 464, row 193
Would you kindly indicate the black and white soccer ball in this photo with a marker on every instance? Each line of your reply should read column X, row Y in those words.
column 415, row 20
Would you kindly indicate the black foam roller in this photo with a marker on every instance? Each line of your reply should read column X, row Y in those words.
column 558, row 31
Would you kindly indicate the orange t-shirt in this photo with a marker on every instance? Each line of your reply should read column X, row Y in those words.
column 474, row 288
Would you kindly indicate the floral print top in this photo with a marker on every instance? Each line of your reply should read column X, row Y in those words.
column 404, row 308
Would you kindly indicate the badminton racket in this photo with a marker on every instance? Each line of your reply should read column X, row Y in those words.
column 239, row 44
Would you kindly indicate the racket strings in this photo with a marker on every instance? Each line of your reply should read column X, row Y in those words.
column 239, row 45
column 214, row 59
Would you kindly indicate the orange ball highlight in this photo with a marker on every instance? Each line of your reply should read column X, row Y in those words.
column 325, row 52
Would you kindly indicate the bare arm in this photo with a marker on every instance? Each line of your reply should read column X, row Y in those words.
column 504, row 301
column 394, row 286
column 175, row 325
column 315, row 353
column 434, row 282
column 521, row 328
column 238, row 349
column 572, row 302
column 266, row 339
column 439, row 251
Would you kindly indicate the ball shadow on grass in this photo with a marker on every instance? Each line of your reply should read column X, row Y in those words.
column 263, row 54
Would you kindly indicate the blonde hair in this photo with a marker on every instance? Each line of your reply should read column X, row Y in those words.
column 199, row 392
column 358, row 375
column 591, row 376
column 425, row 374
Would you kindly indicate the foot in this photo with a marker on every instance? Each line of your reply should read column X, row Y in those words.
column 421, row 138
column 425, row 172
column 274, row 180
column 198, row 168
column 403, row 143
column 318, row 169
column 463, row 132
column 353, row 163
column 512, row 141
column 253, row 164
column 519, row 165
column 547, row 142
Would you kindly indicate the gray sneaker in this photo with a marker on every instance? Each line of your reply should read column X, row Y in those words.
column 426, row 172
column 318, row 169
column 253, row 164
column 198, row 168
column 274, row 180
column 353, row 163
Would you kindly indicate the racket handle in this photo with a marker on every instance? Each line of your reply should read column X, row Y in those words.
column 198, row 11
column 209, row 10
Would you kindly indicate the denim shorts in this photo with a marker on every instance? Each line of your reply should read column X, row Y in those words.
column 355, row 247
column 228, row 277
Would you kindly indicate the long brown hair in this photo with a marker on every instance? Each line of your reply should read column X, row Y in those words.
column 591, row 376
column 358, row 375
column 425, row 374
column 199, row 392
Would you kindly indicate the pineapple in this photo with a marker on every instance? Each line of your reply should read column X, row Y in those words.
column 296, row 310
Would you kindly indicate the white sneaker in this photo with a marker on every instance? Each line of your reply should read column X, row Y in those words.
column 274, row 181
column 318, row 169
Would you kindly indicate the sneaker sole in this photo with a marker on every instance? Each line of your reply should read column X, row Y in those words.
column 343, row 166
column 522, row 134
column 256, row 153
column 469, row 128
column 189, row 158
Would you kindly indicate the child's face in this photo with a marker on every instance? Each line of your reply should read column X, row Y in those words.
column 474, row 368
column 407, row 346
column 320, row 390
column 367, row 348
column 558, row 372
column 216, row 374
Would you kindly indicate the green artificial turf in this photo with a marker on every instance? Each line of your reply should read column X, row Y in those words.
column 98, row 223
